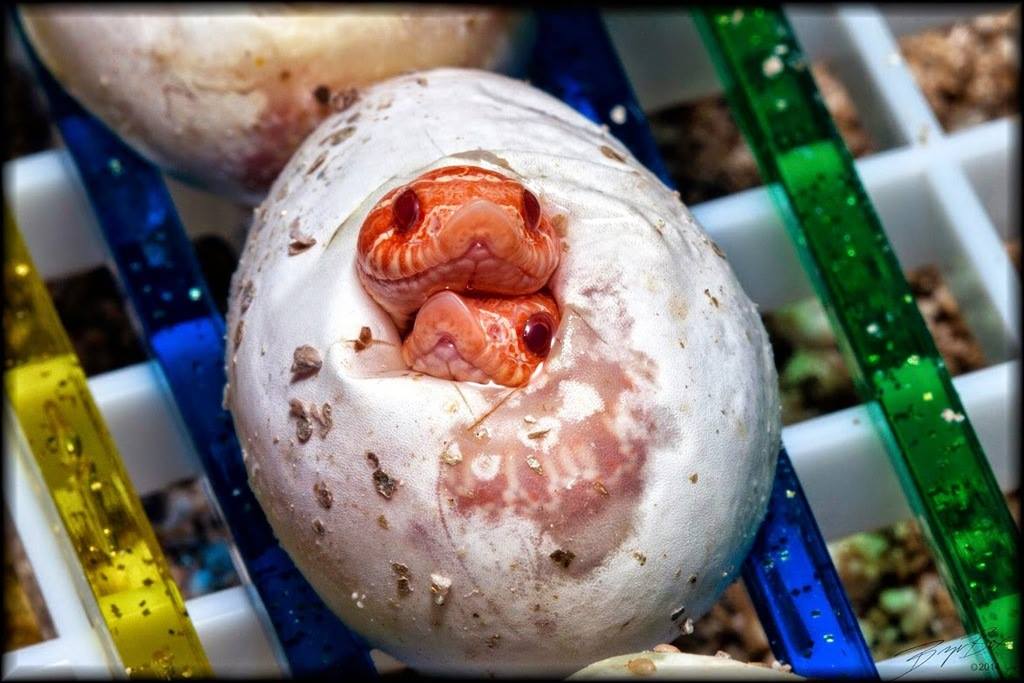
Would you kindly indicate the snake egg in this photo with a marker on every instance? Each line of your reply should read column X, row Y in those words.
column 492, row 379
column 223, row 95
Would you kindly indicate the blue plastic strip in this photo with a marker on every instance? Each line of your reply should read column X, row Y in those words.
column 574, row 60
column 789, row 573
column 796, row 590
column 185, row 335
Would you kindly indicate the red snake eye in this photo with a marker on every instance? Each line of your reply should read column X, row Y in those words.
column 405, row 210
column 531, row 210
column 537, row 333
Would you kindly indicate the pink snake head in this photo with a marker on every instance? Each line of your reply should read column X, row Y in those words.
column 467, row 251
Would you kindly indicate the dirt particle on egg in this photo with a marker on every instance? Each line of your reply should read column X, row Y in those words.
column 451, row 455
column 318, row 527
column 421, row 81
column 339, row 136
column 303, row 429
column 303, row 426
column 384, row 483
column 297, row 408
column 343, row 99
column 687, row 626
column 693, row 478
column 323, row 416
column 239, row 331
column 534, row 465
column 363, row 340
column 641, row 666
column 317, row 163
column 559, row 222
column 382, row 522
column 322, row 94
column 373, row 460
column 439, row 587
column 404, row 585
column 323, row 495
column 563, row 557
column 306, row 362
column 665, row 647
column 492, row 642
column 709, row 295
column 692, row 579
column 599, row 485
column 611, row 153
column 640, row 557
column 717, row 249
column 529, row 419
column 678, row 613
column 298, row 240
column 539, row 434
column 400, row 569
column 247, row 295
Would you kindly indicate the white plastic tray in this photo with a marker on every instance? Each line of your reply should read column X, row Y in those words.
column 944, row 199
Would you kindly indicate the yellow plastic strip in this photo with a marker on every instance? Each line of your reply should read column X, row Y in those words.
column 129, row 578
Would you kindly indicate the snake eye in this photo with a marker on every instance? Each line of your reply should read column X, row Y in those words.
column 537, row 333
column 531, row 210
column 405, row 210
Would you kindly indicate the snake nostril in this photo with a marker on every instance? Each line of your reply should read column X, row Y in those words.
column 405, row 210
column 531, row 210
column 537, row 333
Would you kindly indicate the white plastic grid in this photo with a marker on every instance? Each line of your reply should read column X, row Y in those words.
column 944, row 199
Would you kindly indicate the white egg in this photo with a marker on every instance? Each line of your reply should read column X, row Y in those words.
column 223, row 96
column 606, row 534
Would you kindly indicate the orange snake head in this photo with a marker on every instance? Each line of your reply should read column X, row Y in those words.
column 469, row 249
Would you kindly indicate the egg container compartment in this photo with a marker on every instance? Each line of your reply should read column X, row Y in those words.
column 943, row 198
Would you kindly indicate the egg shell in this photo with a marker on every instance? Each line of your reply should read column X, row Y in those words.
column 589, row 514
column 222, row 96
column 678, row 666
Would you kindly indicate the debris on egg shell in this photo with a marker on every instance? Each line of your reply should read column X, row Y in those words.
column 363, row 340
column 298, row 240
column 323, row 416
column 248, row 292
column 384, row 484
column 611, row 153
column 323, row 495
column 563, row 557
column 641, row 666
column 439, row 586
column 451, row 455
column 306, row 362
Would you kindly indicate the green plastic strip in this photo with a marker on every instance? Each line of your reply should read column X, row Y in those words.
column 897, row 368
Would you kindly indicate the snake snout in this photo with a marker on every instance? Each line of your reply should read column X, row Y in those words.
column 481, row 223
column 446, row 340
